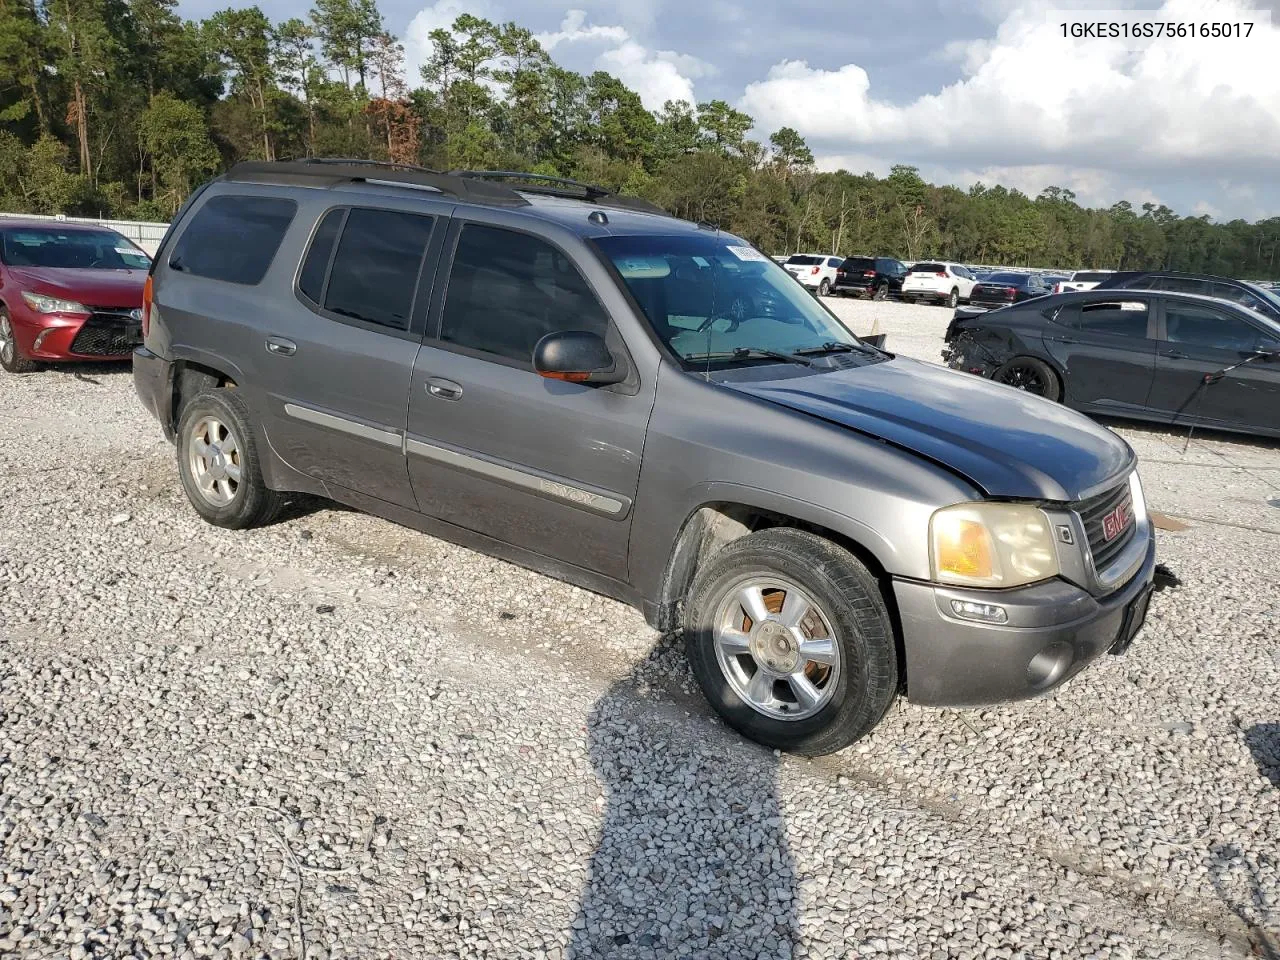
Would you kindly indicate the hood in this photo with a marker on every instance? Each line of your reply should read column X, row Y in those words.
column 93, row 288
column 1006, row 442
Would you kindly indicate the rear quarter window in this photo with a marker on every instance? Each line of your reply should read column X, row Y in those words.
column 233, row 238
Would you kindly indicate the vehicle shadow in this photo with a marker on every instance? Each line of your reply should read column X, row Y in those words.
column 91, row 372
column 1263, row 741
column 693, row 858
column 1238, row 884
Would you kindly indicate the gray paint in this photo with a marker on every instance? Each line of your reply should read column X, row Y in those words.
column 605, row 486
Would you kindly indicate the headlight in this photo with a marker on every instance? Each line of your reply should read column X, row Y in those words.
column 991, row 545
column 42, row 304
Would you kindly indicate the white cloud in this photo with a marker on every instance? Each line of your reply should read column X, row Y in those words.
column 656, row 75
column 1205, row 209
column 1200, row 107
column 574, row 29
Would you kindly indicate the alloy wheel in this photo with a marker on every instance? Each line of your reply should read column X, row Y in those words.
column 215, row 460
column 7, row 346
column 1023, row 377
column 776, row 647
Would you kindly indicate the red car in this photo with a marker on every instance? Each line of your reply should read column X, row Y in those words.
column 68, row 291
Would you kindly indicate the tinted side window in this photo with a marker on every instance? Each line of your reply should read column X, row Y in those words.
column 233, row 238
column 1121, row 318
column 508, row 290
column 834, row 261
column 1179, row 285
column 1225, row 291
column 1204, row 327
column 375, row 271
column 316, row 264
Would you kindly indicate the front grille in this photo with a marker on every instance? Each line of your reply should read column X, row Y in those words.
column 1093, row 513
column 107, row 334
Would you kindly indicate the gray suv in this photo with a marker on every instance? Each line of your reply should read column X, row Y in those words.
column 650, row 409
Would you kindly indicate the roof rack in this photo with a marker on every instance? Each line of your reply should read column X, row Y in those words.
column 563, row 187
column 342, row 170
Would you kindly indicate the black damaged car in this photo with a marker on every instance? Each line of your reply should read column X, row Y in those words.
column 1142, row 354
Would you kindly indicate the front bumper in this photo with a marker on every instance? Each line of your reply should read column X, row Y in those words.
column 1055, row 630
column 62, row 337
column 153, row 381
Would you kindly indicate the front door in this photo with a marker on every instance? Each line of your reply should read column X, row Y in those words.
column 1107, row 347
column 1200, row 340
column 544, row 465
column 339, row 357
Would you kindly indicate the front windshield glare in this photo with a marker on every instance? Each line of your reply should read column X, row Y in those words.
column 709, row 296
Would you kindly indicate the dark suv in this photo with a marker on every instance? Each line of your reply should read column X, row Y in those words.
column 1249, row 295
column 525, row 369
column 874, row 277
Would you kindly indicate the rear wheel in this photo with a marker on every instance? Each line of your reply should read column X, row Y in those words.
column 218, row 462
column 880, row 292
column 11, row 357
column 1032, row 375
column 824, row 288
column 954, row 298
column 791, row 643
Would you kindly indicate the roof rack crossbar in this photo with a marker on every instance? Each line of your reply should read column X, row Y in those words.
column 339, row 170
column 556, row 186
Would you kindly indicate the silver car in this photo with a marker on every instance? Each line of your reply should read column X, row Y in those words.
column 650, row 409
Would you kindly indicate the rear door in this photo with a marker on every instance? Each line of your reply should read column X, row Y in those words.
column 1201, row 339
column 1107, row 349
column 545, row 465
column 340, row 357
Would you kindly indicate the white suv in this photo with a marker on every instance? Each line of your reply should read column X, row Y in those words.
column 1082, row 280
column 938, row 282
column 817, row 271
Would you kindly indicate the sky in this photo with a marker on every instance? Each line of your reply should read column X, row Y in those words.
column 966, row 90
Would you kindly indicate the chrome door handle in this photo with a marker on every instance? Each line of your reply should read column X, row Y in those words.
column 443, row 389
column 281, row 347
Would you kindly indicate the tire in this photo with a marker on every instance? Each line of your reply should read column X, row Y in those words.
column 1032, row 375
column 854, row 687
column 881, row 292
column 243, row 502
column 824, row 288
column 11, row 357
column 954, row 299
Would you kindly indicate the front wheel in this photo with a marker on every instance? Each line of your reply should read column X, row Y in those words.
column 791, row 642
column 11, row 357
column 218, row 462
column 1032, row 375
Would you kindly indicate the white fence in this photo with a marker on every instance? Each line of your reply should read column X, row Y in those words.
column 145, row 235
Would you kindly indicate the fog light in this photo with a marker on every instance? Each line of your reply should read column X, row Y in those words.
column 982, row 612
column 40, row 338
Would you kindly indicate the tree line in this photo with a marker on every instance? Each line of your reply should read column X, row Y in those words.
column 120, row 107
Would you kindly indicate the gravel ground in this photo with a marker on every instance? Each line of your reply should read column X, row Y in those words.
column 339, row 738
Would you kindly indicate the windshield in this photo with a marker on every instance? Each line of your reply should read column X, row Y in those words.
column 804, row 260
column 1016, row 279
column 709, row 295
column 70, row 249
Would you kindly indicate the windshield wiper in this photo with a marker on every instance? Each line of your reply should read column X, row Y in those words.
column 747, row 353
column 835, row 346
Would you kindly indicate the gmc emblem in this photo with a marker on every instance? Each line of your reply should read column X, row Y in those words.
column 1113, row 523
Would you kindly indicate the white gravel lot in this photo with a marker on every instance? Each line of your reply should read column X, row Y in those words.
column 341, row 735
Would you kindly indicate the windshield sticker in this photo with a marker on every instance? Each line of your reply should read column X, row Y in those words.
column 643, row 268
column 747, row 253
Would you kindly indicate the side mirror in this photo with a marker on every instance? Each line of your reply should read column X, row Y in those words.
column 577, row 356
